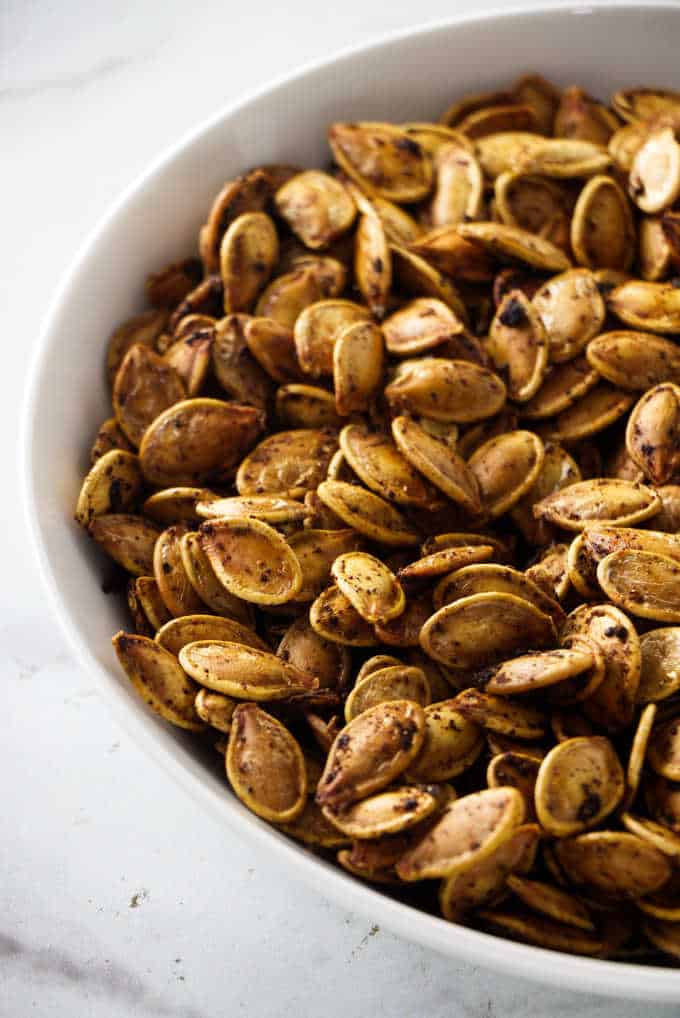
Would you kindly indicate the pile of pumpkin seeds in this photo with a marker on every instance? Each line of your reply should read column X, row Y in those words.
column 393, row 475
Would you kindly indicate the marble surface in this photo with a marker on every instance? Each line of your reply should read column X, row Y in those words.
column 118, row 896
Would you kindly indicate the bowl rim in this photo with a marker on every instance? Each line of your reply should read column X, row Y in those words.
column 541, row 965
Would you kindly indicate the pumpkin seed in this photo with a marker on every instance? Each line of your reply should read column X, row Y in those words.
column 150, row 601
column 316, row 207
column 600, row 500
column 157, row 677
column 551, row 901
column 612, row 704
column 579, row 783
column 602, row 230
column 500, row 714
column 459, row 186
column 249, row 251
column 466, row 833
column 111, row 486
column 177, row 505
column 312, row 828
column 451, row 744
column 317, row 330
column 177, row 592
column 265, row 765
column 668, row 843
column 543, row 932
column 534, row 671
column 617, row 863
column 638, row 752
column 653, row 432
column 558, row 471
column 654, row 182
column 144, row 386
column 267, row 508
column 373, row 262
column 398, row 682
column 414, row 275
column 215, row 709
column 509, row 623
column 518, row 770
column 405, row 630
column 563, row 385
column 445, row 561
column 643, row 305
column 635, row 104
column 248, row 193
column 272, row 345
column 371, row 588
column 588, row 415
column 370, row 752
column 654, row 250
column 366, row 513
column 505, row 468
column 420, row 326
column 642, row 582
column 143, row 329
column 580, row 116
column 108, row 437
column 572, row 311
column 511, row 117
column 316, row 550
column 380, row 465
column 634, row 360
column 660, row 674
column 287, row 296
column 235, row 369
column 436, row 461
column 506, row 241
column 333, row 617
column 518, row 344
column 550, row 572
column 305, row 406
column 471, row 103
column 306, row 650
column 178, row 632
column 190, row 358
column 243, row 672
column 457, row 391
column 453, row 255
column 210, row 590
column 663, row 934
column 490, row 577
column 483, row 883
column 214, row 437
column 385, row 814
column 128, row 539
column 534, row 204
column 382, row 160
column 358, row 361
column 288, row 463
column 668, row 518
column 251, row 560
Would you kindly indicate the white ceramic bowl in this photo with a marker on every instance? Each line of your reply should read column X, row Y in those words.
column 410, row 76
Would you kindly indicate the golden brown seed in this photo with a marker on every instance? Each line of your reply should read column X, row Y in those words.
column 561, row 387
column 287, row 463
column 550, row 572
column 668, row 518
column 248, row 253
column 214, row 437
column 602, row 230
column 358, row 363
column 177, row 505
column 490, row 577
column 653, row 432
column 600, row 500
column 306, row 406
column 367, row 513
column 129, row 540
column 638, row 752
column 370, row 752
column 215, row 709
column 483, row 883
column 543, row 932
column 588, row 415
column 572, row 311
column 301, row 647
column 316, row 206
column 668, row 843
column 142, row 329
column 108, row 437
column 317, row 330
column 111, row 486
column 613, row 702
column 551, row 901
column 532, row 203
column 420, row 326
column 491, row 119
column 580, row 116
column 373, row 262
column 534, row 671
column 451, row 744
column 579, row 783
column 177, row 593
column 452, row 254
column 501, row 715
column 405, row 630
column 265, row 765
column 619, row 864
column 518, row 344
column 384, row 814
column 316, row 550
column 382, row 159
column 382, row 467
column 635, row 360
column 517, row 769
column 459, row 187
column 642, row 305
column 243, row 672
column 144, row 386
column 287, row 296
column 558, row 470
column 333, row 617
column 399, row 682
column 251, row 560
column 444, row 390
column 371, row 588
column 248, row 193
column 512, row 242
column 202, row 577
column 639, row 104
column 178, row 632
column 235, row 369
column 267, row 508
column 438, row 462
column 158, row 679
column 150, row 601
column 272, row 345
column 312, row 828
column 643, row 583
column 416, row 276
column 509, row 624
column 654, row 249
column 466, row 833
column 660, row 674
column 505, row 468
column 446, row 560
column 654, row 182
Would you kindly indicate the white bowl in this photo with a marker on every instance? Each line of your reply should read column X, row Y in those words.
column 410, row 76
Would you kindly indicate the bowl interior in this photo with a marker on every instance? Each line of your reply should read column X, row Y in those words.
column 408, row 77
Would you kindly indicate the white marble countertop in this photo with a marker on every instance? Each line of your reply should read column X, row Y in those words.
column 103, row 913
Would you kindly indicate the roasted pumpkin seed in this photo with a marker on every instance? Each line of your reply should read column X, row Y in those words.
column 316, row 207
column 358, row 362
column 174, row 586
column 642, row 582
column 333, row 617
column 617, row 863
column 128, row 539
column 451, row 744
column 660, row 669
column 399, row 682
column 215, row 709
column 251, row 560
column 288, row 463
column 373, row 262
column 158, row 678
column 505, row 241
column 202, row 578
column 382, row 159
column 505, row 468
column 572, row 311
column 317, row 330
column 178, row 632
column 643, row 305
column 111, row 486
column 367, row 513
column 579, row 783
column 457, row 391
column 372, row 588
column 144, row 386
column 653, row 432
column 243, row 672
column 265, row 765
column 602, row 500
column 518, row 345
